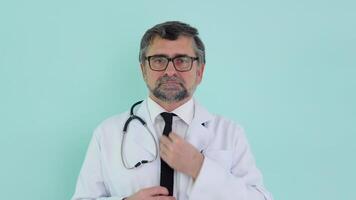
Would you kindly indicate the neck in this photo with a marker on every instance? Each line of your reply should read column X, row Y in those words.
column 169, row 106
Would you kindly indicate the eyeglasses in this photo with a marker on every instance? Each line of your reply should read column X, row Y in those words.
column 180, row 63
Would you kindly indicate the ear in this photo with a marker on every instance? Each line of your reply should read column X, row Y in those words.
column 143, row 70
column 142, row 67
column 200, row 72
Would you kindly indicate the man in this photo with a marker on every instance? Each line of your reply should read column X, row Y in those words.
column 190, row 154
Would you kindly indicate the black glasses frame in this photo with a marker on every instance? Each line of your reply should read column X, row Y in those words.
column 171, row 60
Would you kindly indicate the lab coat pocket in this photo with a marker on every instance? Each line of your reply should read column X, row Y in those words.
column 221, row 157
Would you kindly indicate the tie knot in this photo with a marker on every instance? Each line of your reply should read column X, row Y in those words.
column 167, row 117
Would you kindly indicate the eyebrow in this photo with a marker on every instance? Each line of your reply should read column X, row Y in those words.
column 165, row 55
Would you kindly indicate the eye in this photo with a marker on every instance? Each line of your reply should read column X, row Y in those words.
column 158, row 60
column 181, row 60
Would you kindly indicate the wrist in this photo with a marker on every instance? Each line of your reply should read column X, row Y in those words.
column 199, row 163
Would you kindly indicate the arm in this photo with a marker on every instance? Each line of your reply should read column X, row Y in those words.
column 243, row 181
column 227, row 175
column 90, row 184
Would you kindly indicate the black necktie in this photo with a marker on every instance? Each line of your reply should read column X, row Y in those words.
column 166, row 171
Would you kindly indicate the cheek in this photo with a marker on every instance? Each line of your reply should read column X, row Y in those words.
column 144, row 73
column 151, row 78
column 190, row 80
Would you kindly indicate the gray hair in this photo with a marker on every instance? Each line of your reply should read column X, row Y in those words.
column 171, row 30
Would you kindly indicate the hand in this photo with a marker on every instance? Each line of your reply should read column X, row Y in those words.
column 181, row 155
column 152, row 193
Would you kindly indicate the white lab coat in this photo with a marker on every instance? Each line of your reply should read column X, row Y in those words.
column 228, row 171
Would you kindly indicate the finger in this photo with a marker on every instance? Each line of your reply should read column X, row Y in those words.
column 156, row 191
column 165, row 144
column 167, row 157
column 164, row 158
column 173, row 137
column 165, row 140
column 164, row 198
column 164, row 154
column 163, row 150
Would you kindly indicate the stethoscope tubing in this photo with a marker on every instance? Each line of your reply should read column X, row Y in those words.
column 124, row 133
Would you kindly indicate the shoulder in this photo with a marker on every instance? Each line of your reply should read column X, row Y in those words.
column 216, row 122
column 111, row 126
column 226, row 134
column 223, row 123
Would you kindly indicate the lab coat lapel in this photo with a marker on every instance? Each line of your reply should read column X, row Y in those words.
column 142, row 137
column 198, row 134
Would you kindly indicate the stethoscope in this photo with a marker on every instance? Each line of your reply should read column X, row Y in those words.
column 124, row 132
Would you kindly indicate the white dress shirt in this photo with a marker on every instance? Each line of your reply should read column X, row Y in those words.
column 180, row 124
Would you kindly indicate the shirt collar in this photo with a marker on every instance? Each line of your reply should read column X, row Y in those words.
column 184, row 112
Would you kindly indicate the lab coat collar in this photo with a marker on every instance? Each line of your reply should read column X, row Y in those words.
column 201, row 114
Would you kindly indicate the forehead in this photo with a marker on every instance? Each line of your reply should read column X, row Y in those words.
column 182, row 45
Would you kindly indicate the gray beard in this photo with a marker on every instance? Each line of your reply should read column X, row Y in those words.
column 169, row 96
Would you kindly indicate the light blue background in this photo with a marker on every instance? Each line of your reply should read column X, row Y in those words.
column 285, row 70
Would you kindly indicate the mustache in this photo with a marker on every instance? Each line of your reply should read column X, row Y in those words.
column 165, row 79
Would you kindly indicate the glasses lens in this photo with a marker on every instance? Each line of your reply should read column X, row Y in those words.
column 182, row 63
column 158, row 62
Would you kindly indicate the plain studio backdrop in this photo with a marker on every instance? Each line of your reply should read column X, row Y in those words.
column 284, row 70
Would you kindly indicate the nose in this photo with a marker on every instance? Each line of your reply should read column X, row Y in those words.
column 170, row 70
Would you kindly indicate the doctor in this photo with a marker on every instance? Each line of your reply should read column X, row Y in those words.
column 190, row 154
